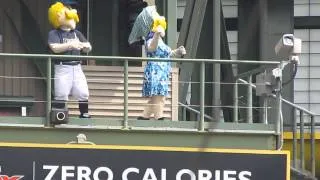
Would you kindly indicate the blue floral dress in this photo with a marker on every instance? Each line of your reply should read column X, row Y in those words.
column 156, row 74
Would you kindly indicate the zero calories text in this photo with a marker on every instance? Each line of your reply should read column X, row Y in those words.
column 133, row 173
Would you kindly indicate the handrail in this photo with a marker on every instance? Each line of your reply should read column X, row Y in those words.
column 284, row 100
column 201, row 113
column 194, row 110
column 294, row 128
column 123, row 58
column 302, row 174
column 51, row 57
column 251, row 72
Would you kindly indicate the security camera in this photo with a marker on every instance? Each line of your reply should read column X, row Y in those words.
column 288, row 46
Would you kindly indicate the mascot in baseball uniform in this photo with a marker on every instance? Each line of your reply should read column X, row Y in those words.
column 64, row 39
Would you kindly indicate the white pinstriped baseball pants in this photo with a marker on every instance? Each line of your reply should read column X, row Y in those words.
column 70, row 80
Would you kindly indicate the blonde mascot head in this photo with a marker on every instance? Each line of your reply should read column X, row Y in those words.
column 159, row 24
column 61, row 16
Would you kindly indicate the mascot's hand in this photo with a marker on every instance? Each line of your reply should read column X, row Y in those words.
column 160, row 31
column 86, row 47
column 76, row 45
column 179, row 52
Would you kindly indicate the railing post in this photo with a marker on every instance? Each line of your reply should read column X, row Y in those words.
column 125, row 101
column 279, row 118
column 249, row 100
column 294, row 139
column 313, row 147
column 235, row 101
column 202, row 91
column 265, row 110
column 301, row 140
column 48, row 107
column 184, row 114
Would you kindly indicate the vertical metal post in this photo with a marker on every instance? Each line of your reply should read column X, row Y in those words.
column 48, row 108
column 88, row 20
column 313, row 147
column 279, row 118
column 88, row 25
column 301, row 140
column 249, row 100
column 265, row 110
column 184, row 114
column 115, row 29
column 216, row 54
column 202, row 91
column 126, row 79
column 294, row 139
column 171, row 12
column 235, row 102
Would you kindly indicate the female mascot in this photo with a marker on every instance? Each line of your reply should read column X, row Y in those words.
column 150, row 26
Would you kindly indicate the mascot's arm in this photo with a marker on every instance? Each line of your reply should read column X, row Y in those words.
column 60, row 48
column 63, row 47
column 57, row 46
column 152, row 46
column 86, row 45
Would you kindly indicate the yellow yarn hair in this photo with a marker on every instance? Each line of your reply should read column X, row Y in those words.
column 159, row 21
column 57, row 8
column 72, row 15
column 52, row 14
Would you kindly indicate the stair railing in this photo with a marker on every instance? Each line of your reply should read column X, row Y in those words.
column 302, row 126
column 301, row 168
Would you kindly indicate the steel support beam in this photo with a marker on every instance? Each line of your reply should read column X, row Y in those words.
column 172, row 23
column 225, row 135
column 189, row 37
column 206, row 38
column 261, row 24
column 277, row 18
column 216, row 55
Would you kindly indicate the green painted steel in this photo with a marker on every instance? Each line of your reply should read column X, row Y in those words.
column 202, row 96
column 49, row 91
column 171, row 14
column 125, row 100
column 45, row 57
column 167, row 125
column 216, row 54
column 142, row 133
column 138, row 137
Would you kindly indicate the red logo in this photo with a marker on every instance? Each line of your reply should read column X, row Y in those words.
column 6, row 177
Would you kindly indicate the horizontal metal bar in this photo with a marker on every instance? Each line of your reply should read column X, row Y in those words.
column 295, row 171
column 172, row 129
column 252, row 72
column 122, row 58
column 259, row 132
column 285, row 101
column 194, row 110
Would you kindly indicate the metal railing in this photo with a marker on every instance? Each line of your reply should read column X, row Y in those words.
column 201, row 111
column 302, row 113
column 125, row 60
column 279, row 130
